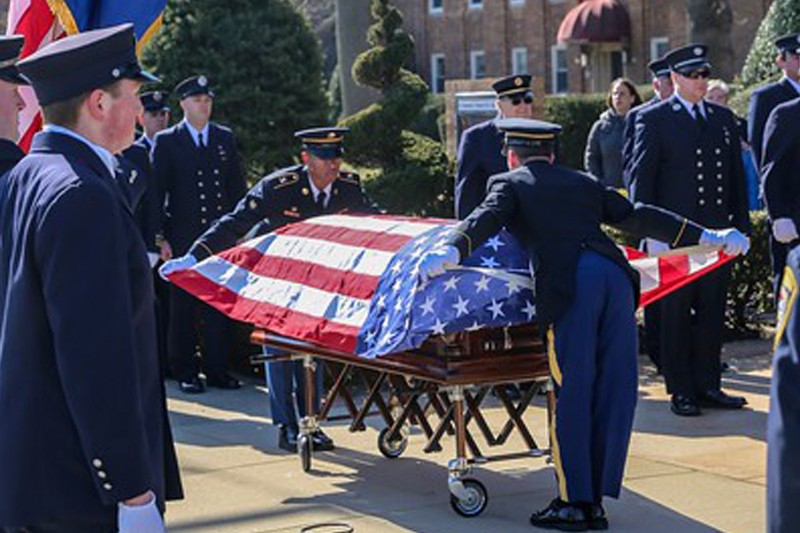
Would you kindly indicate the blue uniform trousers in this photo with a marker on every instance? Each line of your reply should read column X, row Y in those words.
column 592, row 350
column 783, row 426
column 287, row 388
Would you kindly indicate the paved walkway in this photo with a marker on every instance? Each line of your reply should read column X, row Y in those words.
column 683, row 475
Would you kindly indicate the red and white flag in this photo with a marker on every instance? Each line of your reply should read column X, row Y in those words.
column 35, row 20
column 349, row 282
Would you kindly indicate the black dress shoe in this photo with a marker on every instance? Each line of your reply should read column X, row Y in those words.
column 684, row 405
column 322, row 442
column 192, row 386
column 720, row 400
column 287, row 440
column 223, row 381
column 561, row 516
column 597, row 517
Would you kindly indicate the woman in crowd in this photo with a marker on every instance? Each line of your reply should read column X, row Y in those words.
column 603, row 156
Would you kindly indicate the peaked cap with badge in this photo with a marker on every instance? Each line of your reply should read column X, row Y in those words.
column 154, row 101
column 527, row 132
column 788, row 43
column 511, row 85
column 10, row 48
column 194, row 85
column 688, row 58
column 324, row 143
column 659, row 67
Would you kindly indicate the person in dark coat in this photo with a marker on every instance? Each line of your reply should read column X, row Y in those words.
column 11, row 103
column 479, row 152
column 603, row 155
column 586, row 295
column 783, row 424
column 85, row 443
column 687, row 158
column 291, row 194
column 766, row 98
column 197, row 166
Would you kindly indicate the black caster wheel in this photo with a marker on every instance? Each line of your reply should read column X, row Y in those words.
column 474, row 503
column 304, row 446
column 391, row 448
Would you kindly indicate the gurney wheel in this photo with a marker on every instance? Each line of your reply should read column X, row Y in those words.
column 391, row 448
column 304, row 445
column 474, row 503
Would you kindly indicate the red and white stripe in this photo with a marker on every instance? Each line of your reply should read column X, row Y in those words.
column 35, row 20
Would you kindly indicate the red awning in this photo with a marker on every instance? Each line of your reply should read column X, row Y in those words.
column 596, row 21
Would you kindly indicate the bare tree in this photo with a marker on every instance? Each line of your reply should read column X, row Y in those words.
column 710, row 23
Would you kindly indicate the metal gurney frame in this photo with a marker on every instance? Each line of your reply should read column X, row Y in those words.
column 453, row 373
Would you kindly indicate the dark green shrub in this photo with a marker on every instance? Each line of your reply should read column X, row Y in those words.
column 783, row 17
column 750, row 293
column 575, row 114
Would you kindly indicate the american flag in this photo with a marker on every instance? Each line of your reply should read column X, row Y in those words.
column 350, row 282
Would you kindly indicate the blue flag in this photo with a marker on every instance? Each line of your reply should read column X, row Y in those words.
column 82, row 15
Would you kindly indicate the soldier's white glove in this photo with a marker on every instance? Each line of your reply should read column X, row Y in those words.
column 436, row 261
column 173, row 265
column 140, row 518
column 784, row 230
column 736, row 242
column 712, row 239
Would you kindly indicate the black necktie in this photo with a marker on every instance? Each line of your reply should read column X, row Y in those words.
column 200, row 143
column 698, row 116
column 321, row 197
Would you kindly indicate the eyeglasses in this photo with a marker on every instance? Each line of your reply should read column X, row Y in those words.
column 517, row 100
column 700, row 74
column 159, row 113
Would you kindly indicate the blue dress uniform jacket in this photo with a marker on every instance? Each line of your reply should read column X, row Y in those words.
column 627, row 138
column 695, row 173
column 10, row 155
column 762, row 102
column 278, row 199
column 135, row 176
column 480, row 155
column 586, row 292
column 783, row 425
column 84, row 415
column 200, row 185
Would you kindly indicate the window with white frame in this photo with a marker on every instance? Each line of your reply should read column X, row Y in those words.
column 435, row 6
column 516, row 2
column 519, row 60
column 559, row 69
column 475, row 4
column 658, row 47
column 437, row 73
column 477, row 64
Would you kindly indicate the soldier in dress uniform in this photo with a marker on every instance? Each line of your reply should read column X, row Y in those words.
column 687, row 158
column 11, row 103
column 585, row 297
column 155, row 117
column 197, row 166
column 762, row 103
column 480, row 150
column 316, row 187
column 85, row 440
column 766, row 98
column 783, row 424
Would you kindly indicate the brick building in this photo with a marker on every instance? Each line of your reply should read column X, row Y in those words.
column 458, row 39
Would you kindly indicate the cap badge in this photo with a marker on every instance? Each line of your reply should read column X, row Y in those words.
column 116, row 73
column 518, row 81
column 698, row 51
column 157, row 96
column 676, row 107
column 202, row 81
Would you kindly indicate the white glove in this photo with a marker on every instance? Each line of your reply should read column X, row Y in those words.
column 152, row 258
column 784, row 230
column 736, row 242
column 712, row 239
column 173, row 265
column 437, row 260
column 140, row 518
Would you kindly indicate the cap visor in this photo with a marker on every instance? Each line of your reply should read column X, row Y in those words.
column 14, row 77
column 146, row 77
column 331, row 152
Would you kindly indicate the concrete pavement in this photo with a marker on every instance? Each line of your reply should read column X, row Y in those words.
column 688, row 475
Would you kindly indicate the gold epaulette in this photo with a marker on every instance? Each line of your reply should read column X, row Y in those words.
column 290, row 178
column 350, row 177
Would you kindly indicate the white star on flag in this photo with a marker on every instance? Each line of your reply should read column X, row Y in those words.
column 427, row 307
column 489, row 262
column 482, row 284
column 461, row 306
column 438, row 327
column 495, row 243
column 529, row 310
column 496, row 308
column 451, row 283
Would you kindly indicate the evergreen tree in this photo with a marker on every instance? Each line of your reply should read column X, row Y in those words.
column 783, row 17
column 410, row 172
column 263, row 62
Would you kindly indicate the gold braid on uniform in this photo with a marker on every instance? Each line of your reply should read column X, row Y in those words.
column 680, row 232
column 205, row 246
column 469, row 241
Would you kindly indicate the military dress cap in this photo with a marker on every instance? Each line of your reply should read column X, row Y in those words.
column 79, row 63
column 788, row 43
column 194, row 85
column 526, row 131
column 659, row 67
column 511, row 85
column 10, row 47
column 688, row 58
column 154, row 101
column 325, row 143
